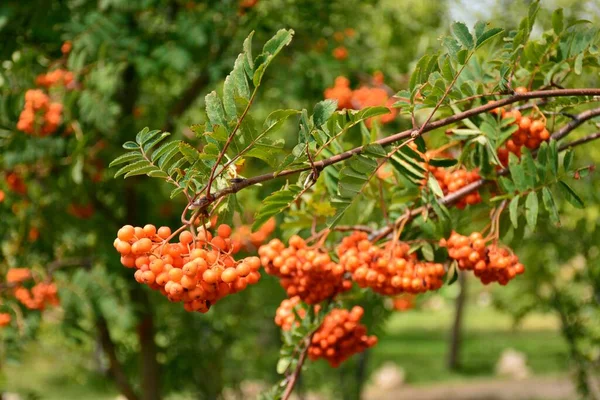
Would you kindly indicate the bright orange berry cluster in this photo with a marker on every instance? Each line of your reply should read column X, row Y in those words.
column 341, row 92
column 4, row 319
column 453, row 180
column 531, row 132
column 388, row 270
column 38, row 297
column 362, row 97
column 285, row 317
column 40, row 117
column 197, row 271
column 57, row 77
column 303, row 271
column 490, row 263
column 340, row 336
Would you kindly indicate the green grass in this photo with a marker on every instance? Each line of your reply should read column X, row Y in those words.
column 418, row 342
column 55, row 374
column 415, row 340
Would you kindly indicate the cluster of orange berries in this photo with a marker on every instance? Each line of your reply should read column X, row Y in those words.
column 57, row 77
column 303, row 271
column 452, row 180
column 340, row 336
column 388, row 270
column 197, row 271
column 38, row 296
column 4, row 319
column 285, row 317
column 362, row 97
column 40, row 116
column 531, row 132
column 16, row 183
column 490, row 263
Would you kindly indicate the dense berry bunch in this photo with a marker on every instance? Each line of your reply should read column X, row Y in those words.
column 365, row 96
column 452, row 180
column 303, row 271
column 490, row 263
column 58, row 77
column 389, row 270
column 340, row 336
column 4, row 319
column 285, row 317
column 38, row 297
column 197, row 270
column 341, row 92
column 40, row 116
column 531, row 132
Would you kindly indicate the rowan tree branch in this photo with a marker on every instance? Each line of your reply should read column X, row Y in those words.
column 472, row 187
column 352, row 228
column 575, row 122
column 204, row 201
column 577, row 142
column 293, row 378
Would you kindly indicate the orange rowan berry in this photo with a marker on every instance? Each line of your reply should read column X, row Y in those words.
column 164, row 232
column 186, row 237
column 340, row 53
column 224, row 231
column 66, row 47
column 229, row 275
column 126, row 233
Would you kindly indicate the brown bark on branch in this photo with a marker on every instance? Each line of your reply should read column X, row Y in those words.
column 575, row 122
column 289, row 388
column 208, row 199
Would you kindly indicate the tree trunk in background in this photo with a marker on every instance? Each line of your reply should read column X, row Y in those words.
column 149, row 367
column 114, row 367
column 456, row 332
